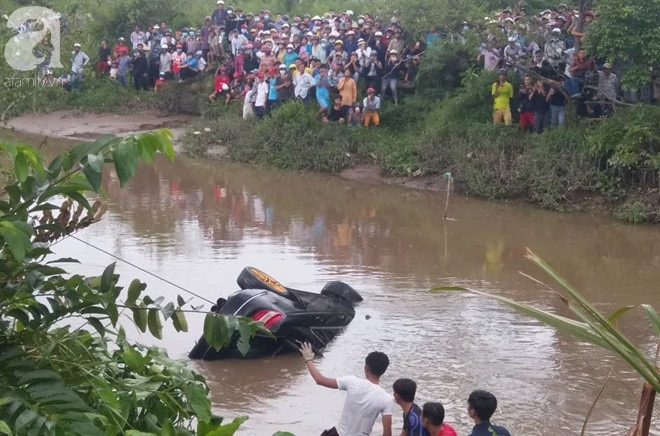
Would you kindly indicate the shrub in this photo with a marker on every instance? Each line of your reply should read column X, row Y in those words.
column 635, row 212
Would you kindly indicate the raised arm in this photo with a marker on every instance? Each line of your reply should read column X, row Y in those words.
column 320, row 379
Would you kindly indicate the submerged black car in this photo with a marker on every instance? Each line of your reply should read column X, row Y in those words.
column 291, row 315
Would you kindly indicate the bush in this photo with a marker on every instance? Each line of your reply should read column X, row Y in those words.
column 636, row 212
column 628, row 145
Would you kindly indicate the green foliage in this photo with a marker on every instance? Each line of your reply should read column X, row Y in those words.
column 444, row 65
column 87, row 380
column 630, row 141
column 610, row 37
column 637, row 212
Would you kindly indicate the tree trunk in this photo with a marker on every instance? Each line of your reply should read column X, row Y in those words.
column 646, row 403
column 580, row 24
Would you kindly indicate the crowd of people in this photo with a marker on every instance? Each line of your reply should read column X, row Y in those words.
column 545, row 57
column 366, row 400
column 348, row 65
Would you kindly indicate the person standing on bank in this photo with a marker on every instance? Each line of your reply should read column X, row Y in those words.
column 502, row 94
column 78, row 62
column 365, row 399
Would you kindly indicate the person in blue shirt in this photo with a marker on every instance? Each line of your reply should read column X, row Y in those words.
column 272, row 90
column 481, row 406
column 190, row 67
column 404, row 395
column 323, row 90
column 290, row 56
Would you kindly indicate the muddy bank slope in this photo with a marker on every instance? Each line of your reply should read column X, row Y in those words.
column 83, row 126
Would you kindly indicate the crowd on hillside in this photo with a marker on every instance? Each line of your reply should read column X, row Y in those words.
column 346, row 64
column 350, row 65
column 545, row 57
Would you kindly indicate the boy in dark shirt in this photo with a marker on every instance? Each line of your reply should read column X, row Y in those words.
column 404, row 396
column 481, row 406
column 337, row 112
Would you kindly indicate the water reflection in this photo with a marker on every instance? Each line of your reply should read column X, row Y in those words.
column 198, row 223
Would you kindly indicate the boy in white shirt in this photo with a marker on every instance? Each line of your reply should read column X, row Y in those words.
column 365, row 399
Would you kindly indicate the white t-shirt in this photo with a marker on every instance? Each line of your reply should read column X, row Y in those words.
column 262, row 94
column 364, row 402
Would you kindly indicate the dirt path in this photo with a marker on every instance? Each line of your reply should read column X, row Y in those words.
column 87, row 126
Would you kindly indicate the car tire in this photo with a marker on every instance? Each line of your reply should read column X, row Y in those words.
column 253, row 278
column 341, row 290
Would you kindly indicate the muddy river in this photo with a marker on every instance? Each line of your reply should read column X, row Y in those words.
column 199, row 223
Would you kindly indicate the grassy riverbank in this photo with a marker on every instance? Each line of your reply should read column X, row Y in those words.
column 609, row 165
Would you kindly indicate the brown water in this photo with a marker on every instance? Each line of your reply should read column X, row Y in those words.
column 199, row 223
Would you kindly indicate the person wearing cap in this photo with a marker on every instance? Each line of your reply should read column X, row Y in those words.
column 165, row 62
column 608, row 88
column 338, row 56
column 371, row 105
column 219, row 15
column 160, row 82
column 502, row 92
column 78, row 62
column 554, row 50
column 363, row 53
column 222, row 82
column 283, row 85
column 137, row 37
column 192, row 43
column 396, row 43
column 318, row 51
column 372, row 71
column 513, row 52
column 391, row 73
column 178, row 58
column 350, row 43
column 290, row 56
column 120, row 48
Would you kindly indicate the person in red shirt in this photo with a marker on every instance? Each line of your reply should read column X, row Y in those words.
column 433, row 416
column 120, row 49
column 160, row 82
column 222, row 85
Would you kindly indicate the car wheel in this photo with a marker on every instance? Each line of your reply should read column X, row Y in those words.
column 253, row 278
column 341, row 290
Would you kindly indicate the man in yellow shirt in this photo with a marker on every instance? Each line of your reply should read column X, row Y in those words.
column 502, row 93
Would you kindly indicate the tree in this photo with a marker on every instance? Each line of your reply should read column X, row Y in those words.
column 66, row 365
column 628, row 32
